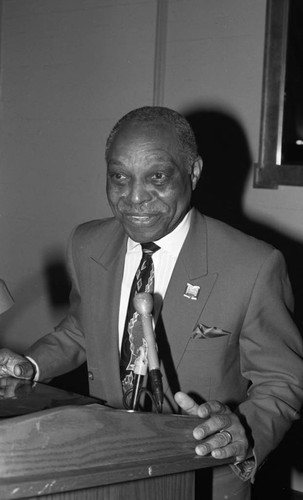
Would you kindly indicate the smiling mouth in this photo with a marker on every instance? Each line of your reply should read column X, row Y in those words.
column 140, row 219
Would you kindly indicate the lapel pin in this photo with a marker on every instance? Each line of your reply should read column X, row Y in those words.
column 191, row 291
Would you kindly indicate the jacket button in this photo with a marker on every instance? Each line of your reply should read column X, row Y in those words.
column 90, row 375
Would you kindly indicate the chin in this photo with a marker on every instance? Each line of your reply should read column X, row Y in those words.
column 141, row 238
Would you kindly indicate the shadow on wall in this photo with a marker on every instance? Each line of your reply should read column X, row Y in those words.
column 219, row 194
column 227, row 160
column 57, row 280
column 54, row 281
column 58, row 285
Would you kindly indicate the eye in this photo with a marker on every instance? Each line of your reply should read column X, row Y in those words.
column 117, row 177
column 159, row 177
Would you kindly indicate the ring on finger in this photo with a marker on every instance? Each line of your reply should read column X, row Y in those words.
column 227, row 435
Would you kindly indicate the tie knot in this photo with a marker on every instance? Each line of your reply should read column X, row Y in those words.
column 149, row 248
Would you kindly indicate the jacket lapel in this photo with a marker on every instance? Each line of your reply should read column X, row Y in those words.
column 107, row 271
column 180, row 314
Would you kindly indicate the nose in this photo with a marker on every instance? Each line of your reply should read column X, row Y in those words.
column 138, row 193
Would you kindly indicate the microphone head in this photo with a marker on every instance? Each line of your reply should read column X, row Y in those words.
column 143, row 303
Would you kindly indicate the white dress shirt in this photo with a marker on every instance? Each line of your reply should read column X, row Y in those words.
column 164, row 263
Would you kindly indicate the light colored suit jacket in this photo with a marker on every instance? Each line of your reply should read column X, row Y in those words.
column 235, row 342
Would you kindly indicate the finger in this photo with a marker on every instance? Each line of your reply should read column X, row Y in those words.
column 186, row 403
column 220, row 445
column 212, row 425
column 231, row 450
column 8, row 362
column 212, row 407
column 4, row 372
column 235, row 449
column 4, row 354
column 7, row 370
column 17, row 366
column 23, row 370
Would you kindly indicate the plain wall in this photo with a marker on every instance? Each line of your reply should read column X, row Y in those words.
column 70, row 68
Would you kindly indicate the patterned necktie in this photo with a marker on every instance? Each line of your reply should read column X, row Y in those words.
column 133, row 338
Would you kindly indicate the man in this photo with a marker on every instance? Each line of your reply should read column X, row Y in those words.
column 229, row 350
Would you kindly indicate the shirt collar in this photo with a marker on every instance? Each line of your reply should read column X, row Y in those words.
column 172, row 242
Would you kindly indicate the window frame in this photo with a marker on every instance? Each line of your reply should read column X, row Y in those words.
column 269, row 172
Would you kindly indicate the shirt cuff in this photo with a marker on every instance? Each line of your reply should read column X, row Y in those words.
column 245, row 470
column 36, row 367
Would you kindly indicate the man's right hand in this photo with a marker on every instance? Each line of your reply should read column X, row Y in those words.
column 15, row 365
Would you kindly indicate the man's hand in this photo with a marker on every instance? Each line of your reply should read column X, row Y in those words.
column 15, row 365
column 221, row 430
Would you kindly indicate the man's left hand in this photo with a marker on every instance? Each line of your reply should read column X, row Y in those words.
column 221, row 430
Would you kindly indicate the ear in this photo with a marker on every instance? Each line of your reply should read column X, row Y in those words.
column 196, row 170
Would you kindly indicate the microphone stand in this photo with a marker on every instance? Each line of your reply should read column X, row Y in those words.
column 140, row 370
column 143, row 303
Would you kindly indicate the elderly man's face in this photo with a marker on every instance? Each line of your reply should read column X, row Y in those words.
column 148, row 185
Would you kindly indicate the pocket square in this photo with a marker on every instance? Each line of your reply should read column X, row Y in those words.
column 208, row 332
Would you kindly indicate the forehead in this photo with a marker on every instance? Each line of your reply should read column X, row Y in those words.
column 140, row 138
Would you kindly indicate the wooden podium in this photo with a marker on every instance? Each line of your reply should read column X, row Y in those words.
column 83, row 450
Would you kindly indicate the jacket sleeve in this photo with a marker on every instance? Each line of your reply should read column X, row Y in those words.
column 64, row 349
column 271, row 358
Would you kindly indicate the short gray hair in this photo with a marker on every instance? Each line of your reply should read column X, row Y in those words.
column 148, row 114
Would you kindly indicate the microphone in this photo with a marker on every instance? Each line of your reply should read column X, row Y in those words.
column 143, row 303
